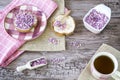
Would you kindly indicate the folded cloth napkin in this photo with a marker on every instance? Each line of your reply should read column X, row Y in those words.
column 9, row 45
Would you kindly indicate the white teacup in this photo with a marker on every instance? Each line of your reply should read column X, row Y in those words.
column 104, row 65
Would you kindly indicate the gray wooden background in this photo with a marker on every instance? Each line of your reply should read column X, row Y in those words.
column 67, row 65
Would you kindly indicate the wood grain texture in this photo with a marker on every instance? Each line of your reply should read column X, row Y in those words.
column 67, row 65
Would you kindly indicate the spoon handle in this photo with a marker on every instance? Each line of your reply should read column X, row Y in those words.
column 65, row 15
column 21, row 68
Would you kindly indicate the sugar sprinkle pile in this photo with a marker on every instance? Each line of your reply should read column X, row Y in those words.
column 24, row 20
column 96, row 19
column 38, row 62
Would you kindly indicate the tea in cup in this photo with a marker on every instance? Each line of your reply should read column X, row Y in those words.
column 104, row 65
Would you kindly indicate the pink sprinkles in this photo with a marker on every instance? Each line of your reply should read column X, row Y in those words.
column 57, row 60
column 24, row 20
column 60, row 25
column 96, row 19
column 53, row 41
column 38, row 62
column 75, row 44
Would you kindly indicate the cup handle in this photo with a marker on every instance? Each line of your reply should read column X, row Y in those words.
column 116, row 75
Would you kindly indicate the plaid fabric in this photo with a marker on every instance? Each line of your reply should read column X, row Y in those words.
column 35, row 32
column 9, row 45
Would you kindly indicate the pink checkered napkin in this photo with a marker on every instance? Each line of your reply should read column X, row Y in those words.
column 35, row 32
column 9, row 45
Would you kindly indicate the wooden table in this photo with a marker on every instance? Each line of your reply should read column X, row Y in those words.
column 67, row 65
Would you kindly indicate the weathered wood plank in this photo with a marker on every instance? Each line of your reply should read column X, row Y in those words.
column 81, row 7
column 67, row 65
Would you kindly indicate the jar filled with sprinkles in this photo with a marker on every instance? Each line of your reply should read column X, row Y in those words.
column 97, row 18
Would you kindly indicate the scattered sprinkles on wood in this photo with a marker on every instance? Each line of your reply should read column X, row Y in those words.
column 76, row 44
column 57, row 60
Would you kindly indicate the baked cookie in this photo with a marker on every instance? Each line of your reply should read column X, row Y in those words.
column 24, row 21
column 65, row 27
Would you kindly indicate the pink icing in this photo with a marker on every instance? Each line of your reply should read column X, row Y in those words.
column 96, row 19
column 24, row 20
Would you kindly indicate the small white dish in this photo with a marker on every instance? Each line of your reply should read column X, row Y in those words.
column 101, row 9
